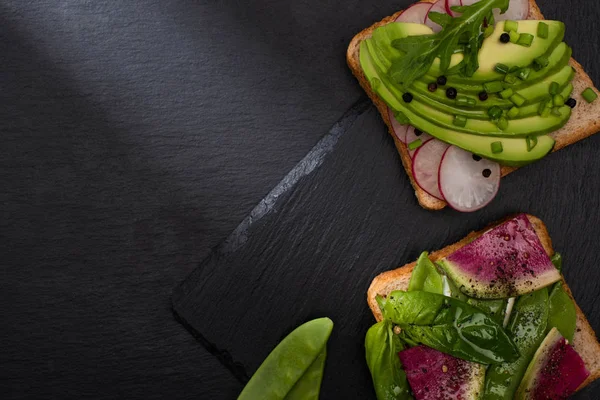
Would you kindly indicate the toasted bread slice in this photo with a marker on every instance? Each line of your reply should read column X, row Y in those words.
column 584, row 121
column 584, row 340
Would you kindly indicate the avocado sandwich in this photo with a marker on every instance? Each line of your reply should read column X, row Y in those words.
column 472, row 90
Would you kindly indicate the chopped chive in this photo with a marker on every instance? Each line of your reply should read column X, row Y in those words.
column 514, row 36
column 540, row 62
column 513, row 113
column 556, row 111
column 501, row 68
column 523, row 73
column 502, row 123
column 517, row 99
column 553, row 88
column 415, row 144
column 589, row 95
column 546, row 110
column 510, row 79
column 511, row 26
column 493, row 87
column 514, row 68
column 375, row 84
column 525, row 39
column 542, row 30
column 460, row 120
column 543, row 105
column 488, row 31
column 471, row 102
column 462, row 100
column 506, row 93
column 558, row 100
column 531, row 142
column 496, row 147
column 495, row 112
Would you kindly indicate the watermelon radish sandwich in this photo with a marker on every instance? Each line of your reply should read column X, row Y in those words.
column 489, row 317
column 471, row 90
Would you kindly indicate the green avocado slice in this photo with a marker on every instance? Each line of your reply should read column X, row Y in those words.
column 515, row 150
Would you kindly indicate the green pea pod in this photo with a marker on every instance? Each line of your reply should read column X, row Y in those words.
column 450, row 326
column 527, row 326
column 309, row 385
column 425, row 276
column 286, row 364
column 562, row 314
column 381, row 349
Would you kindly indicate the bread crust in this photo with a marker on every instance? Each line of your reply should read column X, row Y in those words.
column 584, row 121
column 585, row 341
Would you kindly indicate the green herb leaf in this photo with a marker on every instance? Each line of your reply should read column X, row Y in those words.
column 450, row 326
column 381, row 350
column 425, row 276
column 465, row 28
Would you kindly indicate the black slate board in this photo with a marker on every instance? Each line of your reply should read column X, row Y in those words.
column 347, row 213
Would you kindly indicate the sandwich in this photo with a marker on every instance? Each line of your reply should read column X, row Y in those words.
column 489, row 317
column 472, row 90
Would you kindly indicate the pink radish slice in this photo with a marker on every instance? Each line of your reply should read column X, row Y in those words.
column 413, row 134
column 467, row 182
column 517, row 9
column 415, row 13
column 439, row 7
column 426, row 165
column 452, row 3
column 397, row 127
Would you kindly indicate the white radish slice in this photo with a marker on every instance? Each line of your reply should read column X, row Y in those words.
column 467, row 182
column 415, row 13
column 397, row 127
column 413, row 134
column 439, row 7
column 452, row 3
column 426, row 165
column 517, row 9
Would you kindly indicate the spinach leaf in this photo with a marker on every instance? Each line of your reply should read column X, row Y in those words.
column 382, row 347
column 425, row 276
column 557, row 261
column 449, row 325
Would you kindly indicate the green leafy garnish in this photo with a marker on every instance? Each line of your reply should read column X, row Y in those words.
column 460, row 33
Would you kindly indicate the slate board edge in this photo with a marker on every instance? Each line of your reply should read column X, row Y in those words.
column 313, row 160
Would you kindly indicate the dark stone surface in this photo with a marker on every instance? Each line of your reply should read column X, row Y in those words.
column 138, row 134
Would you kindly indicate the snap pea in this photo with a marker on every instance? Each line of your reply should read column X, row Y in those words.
column 425, row 276
column 381, row 350
column 448, row 325
column 286, row 364
column 562, row 314
column 309, row 384
column 527, row 326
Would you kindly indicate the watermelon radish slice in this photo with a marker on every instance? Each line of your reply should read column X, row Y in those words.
column 433, row 375
column 415, row 13
column 468, row 182
column 439, row 7
column 397, row 127
column 506, row 261
column 413, row 134
column 452, row 3
column 425, row 166
column 555, row 372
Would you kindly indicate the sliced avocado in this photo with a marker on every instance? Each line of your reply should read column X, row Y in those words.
column 532, row 109
column 538, row 91
column 515, row 150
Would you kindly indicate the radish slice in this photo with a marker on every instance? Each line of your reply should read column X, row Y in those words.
column 452, row 3
column 397, row 127
column 426, row 165
column 517, row 9
column 440, row 7
column 467, row 182
column 413, row 134
column 415, row 13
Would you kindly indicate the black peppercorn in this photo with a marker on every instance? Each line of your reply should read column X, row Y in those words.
column 486, row 173
column 451, row 93
column 571, row 102
column 432, row 87
column 483, row 96
column 407, row 97
column 476, row 157
column 418, row 132
column 505, row 38
column 441, row 80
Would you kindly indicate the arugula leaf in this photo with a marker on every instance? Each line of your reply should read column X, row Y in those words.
column 465, row 28
column 450, row 326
